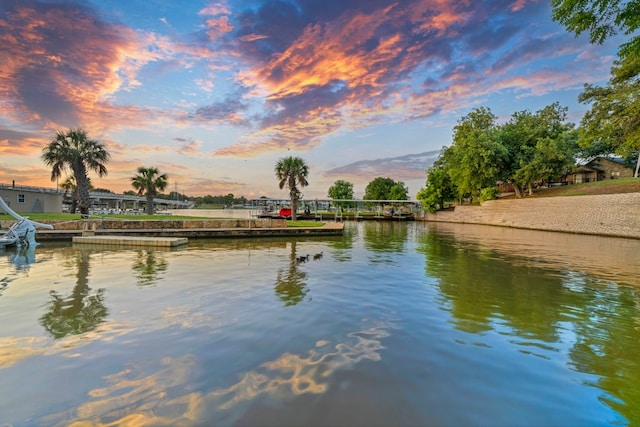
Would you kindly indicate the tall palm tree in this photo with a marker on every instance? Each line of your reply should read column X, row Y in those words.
column 74, row 150
column 292, row 171
column 148, row 182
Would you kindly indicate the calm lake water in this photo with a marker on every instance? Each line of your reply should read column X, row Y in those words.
column 392, row 324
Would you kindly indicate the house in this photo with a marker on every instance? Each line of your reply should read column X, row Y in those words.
column 22, row 199
column 599, row 169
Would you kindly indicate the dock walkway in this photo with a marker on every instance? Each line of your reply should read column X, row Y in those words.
column 329, row 229
column 166, row 242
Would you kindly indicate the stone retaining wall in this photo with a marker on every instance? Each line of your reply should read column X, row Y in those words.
column 120, row 224
column 609, row 214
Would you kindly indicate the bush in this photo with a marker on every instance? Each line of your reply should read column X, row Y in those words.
column 489, row 193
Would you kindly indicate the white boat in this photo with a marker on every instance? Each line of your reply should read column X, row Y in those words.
column 17, row 235
column 21, row 233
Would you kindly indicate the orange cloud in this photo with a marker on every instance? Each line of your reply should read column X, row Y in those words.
column 347, row 73
column 214, row 9
column 218, row 27
column 300, row 132
column 20, row 144
column 59, row 81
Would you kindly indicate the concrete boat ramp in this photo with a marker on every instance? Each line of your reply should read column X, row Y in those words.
column 165, row 242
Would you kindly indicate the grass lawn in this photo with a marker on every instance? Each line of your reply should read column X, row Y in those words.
column 209, row 206
column 610, row 186
column 304, row 223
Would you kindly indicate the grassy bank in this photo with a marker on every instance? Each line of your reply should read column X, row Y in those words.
column 610, row 186
column 304, row 223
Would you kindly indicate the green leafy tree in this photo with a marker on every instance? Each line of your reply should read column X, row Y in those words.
column 476, row 159
column 228, row 200
column 439, row 188
column 341, row 190
column 540, row 146
column 74, row 150
column 149, row 182
column 552, row 158
column 399, row 191
column 613, row 123
column 601, row 19
column 381, row 189
column 292, row 172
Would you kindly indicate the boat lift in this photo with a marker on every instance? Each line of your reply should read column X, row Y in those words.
column 23, row 232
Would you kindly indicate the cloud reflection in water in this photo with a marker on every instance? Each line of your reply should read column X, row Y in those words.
column 164, row 398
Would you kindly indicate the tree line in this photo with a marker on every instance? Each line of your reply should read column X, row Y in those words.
column 220, row 200
column 542, row 146
column 527, row 149
column 73, row 150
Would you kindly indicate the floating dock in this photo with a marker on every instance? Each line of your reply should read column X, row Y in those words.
column 166, row 242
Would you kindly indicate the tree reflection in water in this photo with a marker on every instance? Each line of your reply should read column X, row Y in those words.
column 343, row 246
column 148, row 266
column 545, row 311
column 79, row 312
column 606, row 333
column 481, row 287
column 385, row 236
column 290, row 281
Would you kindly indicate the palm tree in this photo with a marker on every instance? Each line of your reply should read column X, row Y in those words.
column 71, row 190
column 148, row 182
column 292, row 171
column 74, row 150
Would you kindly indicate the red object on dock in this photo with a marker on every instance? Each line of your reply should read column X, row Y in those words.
column 285, row 212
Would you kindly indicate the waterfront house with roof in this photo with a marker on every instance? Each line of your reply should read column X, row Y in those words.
column 600, row 169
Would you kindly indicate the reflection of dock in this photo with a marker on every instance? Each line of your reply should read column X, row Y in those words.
column 131, row 241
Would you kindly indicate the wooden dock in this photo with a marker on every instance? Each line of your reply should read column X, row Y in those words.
column 131, row 241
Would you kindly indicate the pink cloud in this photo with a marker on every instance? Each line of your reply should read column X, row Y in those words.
column 316, row 66
column 57, row 81
column 253, row 37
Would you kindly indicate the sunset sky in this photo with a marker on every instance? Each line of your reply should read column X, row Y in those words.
column 214, row 93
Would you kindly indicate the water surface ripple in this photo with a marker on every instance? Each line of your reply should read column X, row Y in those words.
column 392, row 324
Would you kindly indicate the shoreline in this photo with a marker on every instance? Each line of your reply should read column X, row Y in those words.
column 609, row 215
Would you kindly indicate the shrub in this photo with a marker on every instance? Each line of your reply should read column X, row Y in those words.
column 488, row 193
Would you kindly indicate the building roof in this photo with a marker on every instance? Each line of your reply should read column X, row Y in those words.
column 618, row 160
